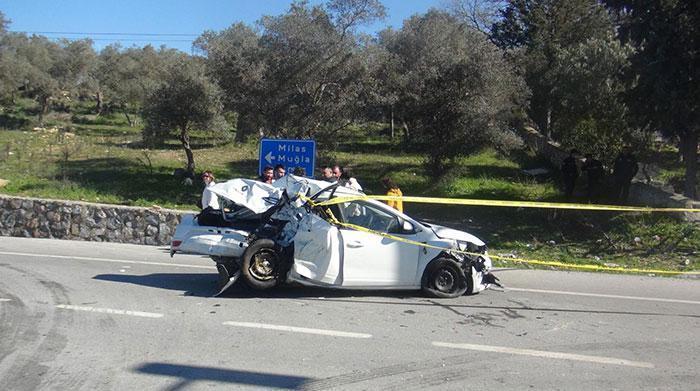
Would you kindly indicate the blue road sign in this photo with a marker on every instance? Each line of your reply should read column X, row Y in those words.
column 289, row 153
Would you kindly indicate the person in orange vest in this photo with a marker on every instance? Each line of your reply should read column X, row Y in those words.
column 393, row 190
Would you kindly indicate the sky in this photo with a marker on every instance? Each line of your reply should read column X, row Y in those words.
column 176, row 23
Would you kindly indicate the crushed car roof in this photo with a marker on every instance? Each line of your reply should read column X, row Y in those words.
column 259, row 196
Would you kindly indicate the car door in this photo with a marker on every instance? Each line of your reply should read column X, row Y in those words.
column 373, row 260
column 317, row 251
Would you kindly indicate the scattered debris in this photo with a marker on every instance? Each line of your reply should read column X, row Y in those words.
column 551, row 243
column 3, row 182
column 637, row 239
column 686, row 262
column 610, row 264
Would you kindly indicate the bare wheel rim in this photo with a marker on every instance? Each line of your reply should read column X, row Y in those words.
column 263, row 265
column 444, row 280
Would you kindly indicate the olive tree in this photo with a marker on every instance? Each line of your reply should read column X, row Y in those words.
column 534, row 32
column 454, row 87
column 300, row 75
column 665, row 72
column 183, row 100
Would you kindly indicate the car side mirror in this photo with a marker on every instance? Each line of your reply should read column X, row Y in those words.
column 407, row 227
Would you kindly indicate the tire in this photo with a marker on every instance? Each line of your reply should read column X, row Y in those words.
column 262, row 265
column 445, row 278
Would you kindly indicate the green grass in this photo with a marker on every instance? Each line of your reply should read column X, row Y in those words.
column 100, row 160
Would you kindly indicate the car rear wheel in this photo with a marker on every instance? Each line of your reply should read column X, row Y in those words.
column 262, row 264
column 445, row 278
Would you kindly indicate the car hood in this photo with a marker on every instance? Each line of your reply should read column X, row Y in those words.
column 449, row 233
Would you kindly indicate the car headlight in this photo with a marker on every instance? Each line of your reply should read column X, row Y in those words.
column 471, row 247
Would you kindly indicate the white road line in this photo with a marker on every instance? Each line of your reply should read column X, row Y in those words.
column 546, row 354
column 293, row 329
column 603, row 295
column 105, row 260
column 5, row 300
column 110, row 311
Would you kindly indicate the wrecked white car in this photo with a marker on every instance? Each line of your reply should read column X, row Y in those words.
column 272, row 234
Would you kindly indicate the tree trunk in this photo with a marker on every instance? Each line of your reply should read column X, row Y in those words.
column 689, row 146
column 548, row 124
column 406, row 133
column 244, row 127
column 44, row 102
column 128, row 119
column 185, row 140
column 99, row 104
column 391, row 110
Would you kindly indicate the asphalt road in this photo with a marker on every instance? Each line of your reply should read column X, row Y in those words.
column 78, row 315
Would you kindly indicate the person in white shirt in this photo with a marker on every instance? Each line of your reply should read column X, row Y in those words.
column 209, row 199
column 348, row 180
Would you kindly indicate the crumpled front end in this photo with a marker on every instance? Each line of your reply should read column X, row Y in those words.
column 476, row 263
column 481, row 273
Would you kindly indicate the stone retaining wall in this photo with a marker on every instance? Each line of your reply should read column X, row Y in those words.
column 42, row 218
column 640, row 192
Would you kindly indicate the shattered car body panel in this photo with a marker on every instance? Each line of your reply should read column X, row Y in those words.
column 274, row 234
column 213, row 241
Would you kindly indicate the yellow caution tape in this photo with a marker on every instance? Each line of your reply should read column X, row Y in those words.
column 591, row 267
column 518, row 204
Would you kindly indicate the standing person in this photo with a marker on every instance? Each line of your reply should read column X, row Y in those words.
column 209, row 199
column 337, row 172
column 299, row 171
column 279, row 171
column 594, row 171
column 348, row 180
column 267, row 175
column 327, row 174
column 624, row 169
column 393, row 190
column 569, row 172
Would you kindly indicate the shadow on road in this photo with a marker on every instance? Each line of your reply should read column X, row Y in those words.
column 191, row 284
column 204, row 285
column 189, row 374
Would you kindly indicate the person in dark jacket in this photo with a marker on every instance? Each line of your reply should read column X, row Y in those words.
column 624, row 169
column 569, row 172
column 594, row 172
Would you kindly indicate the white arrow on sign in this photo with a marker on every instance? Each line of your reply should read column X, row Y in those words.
column 269, row 158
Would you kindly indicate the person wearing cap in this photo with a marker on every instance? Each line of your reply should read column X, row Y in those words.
column 209, row 199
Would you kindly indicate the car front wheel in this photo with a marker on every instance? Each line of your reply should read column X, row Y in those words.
column 445, row 278
column 262, row 264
